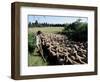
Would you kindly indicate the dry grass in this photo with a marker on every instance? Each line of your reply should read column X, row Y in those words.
column 46, row 29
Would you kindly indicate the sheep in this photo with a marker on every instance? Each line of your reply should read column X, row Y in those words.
column 63, row 51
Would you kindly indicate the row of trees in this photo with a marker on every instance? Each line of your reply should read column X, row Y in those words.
column 37, row 24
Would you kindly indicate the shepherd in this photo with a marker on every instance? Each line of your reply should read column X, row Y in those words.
column 38, row 40
column 38, row 44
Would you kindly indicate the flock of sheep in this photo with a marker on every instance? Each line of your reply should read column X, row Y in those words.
column 58, row 50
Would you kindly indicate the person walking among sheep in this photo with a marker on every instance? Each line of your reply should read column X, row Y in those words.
column 38, row 40
column 38, row 44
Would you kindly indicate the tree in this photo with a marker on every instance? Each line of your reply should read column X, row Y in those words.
column 29, row 24
column 36, row 23
column 76, row 31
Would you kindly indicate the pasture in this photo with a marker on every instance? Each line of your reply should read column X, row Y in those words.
column 46, row 29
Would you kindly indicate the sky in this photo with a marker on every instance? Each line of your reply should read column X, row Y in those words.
column 55, row 19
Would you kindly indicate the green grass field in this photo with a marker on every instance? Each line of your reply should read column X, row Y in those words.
column 34, row 59
column 46, row 29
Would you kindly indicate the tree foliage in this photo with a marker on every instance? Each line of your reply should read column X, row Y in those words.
column 45, row 24
column 76, row 31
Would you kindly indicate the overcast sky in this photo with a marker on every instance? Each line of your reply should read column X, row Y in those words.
column 55, row 19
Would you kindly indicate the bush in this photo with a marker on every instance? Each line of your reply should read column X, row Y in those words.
column 31, row 42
